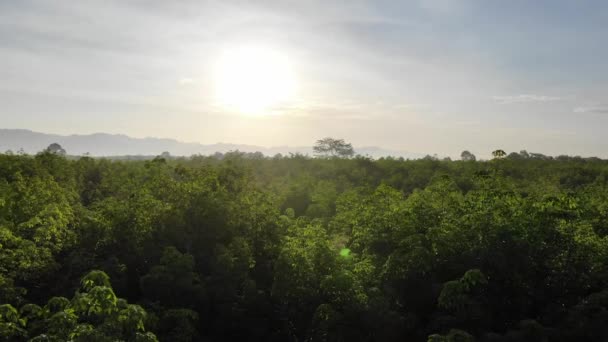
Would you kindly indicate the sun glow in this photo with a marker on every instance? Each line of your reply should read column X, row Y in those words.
column 254, row 80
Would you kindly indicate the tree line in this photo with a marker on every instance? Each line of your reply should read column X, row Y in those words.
column 253, row 248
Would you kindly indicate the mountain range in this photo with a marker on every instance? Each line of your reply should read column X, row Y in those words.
column 108, row 145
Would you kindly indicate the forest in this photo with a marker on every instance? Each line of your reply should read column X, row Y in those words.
column 243, row 247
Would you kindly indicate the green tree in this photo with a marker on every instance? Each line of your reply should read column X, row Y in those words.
column 56, row 149
column 330, row 147
column 467, row 156
column 498, row 154
column 94, row 314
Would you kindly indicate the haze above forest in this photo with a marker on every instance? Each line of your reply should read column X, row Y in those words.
column 103, row 144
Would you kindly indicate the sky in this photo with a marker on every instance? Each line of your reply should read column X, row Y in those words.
column 425, row 76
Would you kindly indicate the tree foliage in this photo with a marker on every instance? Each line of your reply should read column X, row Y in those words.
column 56, row 148
column 244, row 247
column 330, row 147
column 467, row 156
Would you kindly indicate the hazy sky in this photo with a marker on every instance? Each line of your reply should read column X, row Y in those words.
column 429, row 76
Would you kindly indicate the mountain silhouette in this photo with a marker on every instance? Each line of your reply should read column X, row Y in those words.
column 103, row 144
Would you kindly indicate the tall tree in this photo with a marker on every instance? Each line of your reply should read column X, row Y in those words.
column 467, row 156
column 498, row 154
column 56, row 148
column 330, row 147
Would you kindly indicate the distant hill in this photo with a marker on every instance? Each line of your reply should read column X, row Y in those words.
column 102, row 144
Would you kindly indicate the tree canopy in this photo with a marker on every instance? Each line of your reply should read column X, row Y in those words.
column 467, row 156
column 245, row 247
column 330, row 147
column 56, row 148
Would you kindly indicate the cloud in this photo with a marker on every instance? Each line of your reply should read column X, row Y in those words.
column 185, row 81
column 443, row 6
column 591, row 109
column 347, row 110
column 524, row 98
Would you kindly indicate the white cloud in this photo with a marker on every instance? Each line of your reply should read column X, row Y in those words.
column 524, row 98
column 591, row 109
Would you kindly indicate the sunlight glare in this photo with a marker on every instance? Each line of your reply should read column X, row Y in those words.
column 253, row 80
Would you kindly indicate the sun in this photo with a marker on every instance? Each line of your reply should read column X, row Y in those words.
column 253, row 80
